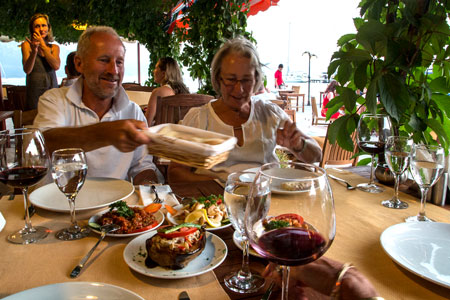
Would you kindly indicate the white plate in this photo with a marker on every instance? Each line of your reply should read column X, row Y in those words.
column 96, row 192
column 422, row 248
column 294, row 174
column 158, row 215
column 208, row 228
column 237, row 239
column 212, row 256
column 76, row 290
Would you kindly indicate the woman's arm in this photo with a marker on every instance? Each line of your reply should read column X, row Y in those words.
column 163, row 91
column 29, row 52
column 51, row 54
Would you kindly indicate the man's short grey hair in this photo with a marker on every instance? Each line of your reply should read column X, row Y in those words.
column 240, row 46
column 85, row 39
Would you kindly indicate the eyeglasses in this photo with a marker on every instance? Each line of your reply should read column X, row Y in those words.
column 231, row 82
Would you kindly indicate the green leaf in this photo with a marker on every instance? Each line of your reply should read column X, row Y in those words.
column 371, row 96
column 440, row 85
column 360, row 76
column 338, row 131
column 370, row 33
column 346, row 38
column 344, row 72
column 436, row 126
column 443, row 102
column 393, row 95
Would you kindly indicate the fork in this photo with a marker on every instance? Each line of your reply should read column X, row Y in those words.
column 157, row 199
column 349, row 186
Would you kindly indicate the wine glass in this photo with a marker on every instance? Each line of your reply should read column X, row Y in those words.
column 235, row 198
column 397, row 157
column 24, row 162
column 290, row 218
column 372, row 133
column 427, row 165
column 69, row 172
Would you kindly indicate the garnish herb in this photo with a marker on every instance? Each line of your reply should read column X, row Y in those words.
column 122, row 209
column 208, row 201
column 275, row 224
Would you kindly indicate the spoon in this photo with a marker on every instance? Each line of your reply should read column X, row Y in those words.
column 104, row 229
column 349, row 186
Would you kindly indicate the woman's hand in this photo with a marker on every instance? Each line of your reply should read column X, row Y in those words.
column 34, row 44
column 290, row 137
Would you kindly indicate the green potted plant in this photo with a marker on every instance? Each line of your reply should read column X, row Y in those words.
column 400, row 57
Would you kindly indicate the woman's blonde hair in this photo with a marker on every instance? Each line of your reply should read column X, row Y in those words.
column 172, row 75
column 49, row 37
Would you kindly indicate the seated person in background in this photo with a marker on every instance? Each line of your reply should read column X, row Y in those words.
column 258, row 125
column 71, row 71
column 321, row 276
column 330, row 93
column 96, row 115
column 167, row 74
column 262, row 94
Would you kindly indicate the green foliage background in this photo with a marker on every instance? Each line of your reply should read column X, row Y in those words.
column 210, row 22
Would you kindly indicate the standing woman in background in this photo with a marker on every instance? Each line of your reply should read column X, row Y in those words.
column 40, row 59
column 168, row 75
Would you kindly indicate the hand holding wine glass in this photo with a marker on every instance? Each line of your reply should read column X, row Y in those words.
column 24, row 162
column 235, row 199
column 290, row 218
column 373, row 131
column 427, row 165
column 69, row 172
column 396, row 152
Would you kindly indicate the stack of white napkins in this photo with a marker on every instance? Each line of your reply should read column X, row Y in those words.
column 163, row 191
column 2, row 222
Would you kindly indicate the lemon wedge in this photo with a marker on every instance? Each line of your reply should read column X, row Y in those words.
column 197, row 215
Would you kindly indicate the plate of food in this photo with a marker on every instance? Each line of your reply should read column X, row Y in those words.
column 174, row 252
column 209, row 211
column 300, row 180
column 133, row 220
column 237, row 239
column 97, row 192
column 421, row 248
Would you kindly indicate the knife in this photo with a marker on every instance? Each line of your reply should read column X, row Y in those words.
column 184, row 296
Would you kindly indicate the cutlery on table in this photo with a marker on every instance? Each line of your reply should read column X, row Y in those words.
column 184, row 296
column 268, row 292
column 104, row 230
column 157, row 199
column 349, row 186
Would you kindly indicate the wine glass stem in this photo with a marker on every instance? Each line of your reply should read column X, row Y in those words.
column 245, row 269
column 73, row 219
column 371, row 169
column 397, row 183
column 423, row 201
column 26, row 203
column 285, row 282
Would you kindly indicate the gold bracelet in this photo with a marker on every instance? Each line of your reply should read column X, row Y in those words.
column 335, row 293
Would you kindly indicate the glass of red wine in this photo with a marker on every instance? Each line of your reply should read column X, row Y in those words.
column 373, row 130
column 290, row 218
column 24, row 162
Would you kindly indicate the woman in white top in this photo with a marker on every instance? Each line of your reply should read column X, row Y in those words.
column 258, row 125
column 167, row 74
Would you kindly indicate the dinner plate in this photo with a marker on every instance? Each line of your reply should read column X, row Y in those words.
column 237, row 239
column 158, row 215
column 212, row 256
column 288, row 173
column 76, row 290
column 97, row 192
column 422, row 248
column 208, row 228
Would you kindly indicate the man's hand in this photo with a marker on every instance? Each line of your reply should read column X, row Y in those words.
column 126, row 135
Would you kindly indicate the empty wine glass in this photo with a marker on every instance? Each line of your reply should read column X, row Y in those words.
column 235, row 198
column 397, row 157
column 24, row 162
column 290, row 218
column 372, row 133
column 69, row 172
column 427, row 165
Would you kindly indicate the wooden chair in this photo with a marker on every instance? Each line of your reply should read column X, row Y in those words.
column 137, row 87
column 322, row 96
column 316, row 119
column 172, row 109
column 291, row 113
column 17, row 97
column 333, row 154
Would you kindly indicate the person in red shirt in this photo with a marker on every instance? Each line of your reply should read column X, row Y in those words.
column 279, row 77
column 330, row 93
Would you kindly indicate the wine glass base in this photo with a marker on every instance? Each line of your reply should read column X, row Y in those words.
column 69, row 234
column 370, row 188
column 394, row 203
column 29, row 235
column 243, row 285
column 418, row 218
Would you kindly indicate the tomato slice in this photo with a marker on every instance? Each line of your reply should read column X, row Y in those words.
column 290, row 216
column 145, row 228
column 183, row 231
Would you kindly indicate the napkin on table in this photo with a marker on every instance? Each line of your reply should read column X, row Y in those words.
column 163, row 191
column 2, row 222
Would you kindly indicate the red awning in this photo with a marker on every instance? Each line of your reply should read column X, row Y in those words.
column 260, row 5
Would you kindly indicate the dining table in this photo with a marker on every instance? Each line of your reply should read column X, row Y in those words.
column 360, row 220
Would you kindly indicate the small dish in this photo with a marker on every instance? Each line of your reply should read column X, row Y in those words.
column 173, row 221
column 237, row 239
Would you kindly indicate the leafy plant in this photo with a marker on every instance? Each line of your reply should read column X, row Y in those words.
column 400, row 56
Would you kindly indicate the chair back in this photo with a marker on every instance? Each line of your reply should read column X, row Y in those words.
column 333, row 154
column 315, row 114
column 172, row 109
column 137, row 87
column 296, row 89
column 17, row 97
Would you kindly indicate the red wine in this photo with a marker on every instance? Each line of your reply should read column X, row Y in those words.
column 372, row 147
column 291, row 246
column 22, row 176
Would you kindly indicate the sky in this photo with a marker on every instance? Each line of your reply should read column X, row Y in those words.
column 284, row 32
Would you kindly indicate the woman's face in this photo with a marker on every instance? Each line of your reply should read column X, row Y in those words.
column 40, row 26
column 158, row 74
column 237, row 80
